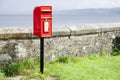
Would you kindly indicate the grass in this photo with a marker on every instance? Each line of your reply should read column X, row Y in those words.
column 2, row 77
column 86, row 68
column 18, row 68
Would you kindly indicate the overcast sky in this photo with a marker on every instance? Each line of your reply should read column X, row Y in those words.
column 26, row 6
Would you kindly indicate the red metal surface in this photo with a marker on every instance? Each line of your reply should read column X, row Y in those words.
column 42, row 21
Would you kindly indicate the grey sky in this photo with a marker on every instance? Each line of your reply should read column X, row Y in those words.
column 26, row 6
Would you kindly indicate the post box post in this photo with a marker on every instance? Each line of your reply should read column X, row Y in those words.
column 42, row 22
column 42, row 55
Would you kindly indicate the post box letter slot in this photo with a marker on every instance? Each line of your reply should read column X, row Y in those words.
column 47, row 11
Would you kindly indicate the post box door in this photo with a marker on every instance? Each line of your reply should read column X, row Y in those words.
column 46, row 27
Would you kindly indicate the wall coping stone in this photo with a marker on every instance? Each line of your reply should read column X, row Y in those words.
column 69, row 30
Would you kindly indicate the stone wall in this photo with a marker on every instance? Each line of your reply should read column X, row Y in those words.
column 77, row 40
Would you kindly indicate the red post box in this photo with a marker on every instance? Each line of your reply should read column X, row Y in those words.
column 42, row 17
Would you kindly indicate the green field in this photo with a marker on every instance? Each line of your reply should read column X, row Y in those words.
column 83, row 68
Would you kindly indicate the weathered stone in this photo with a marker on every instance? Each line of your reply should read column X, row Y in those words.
column 5, row 59
column 84, row 29
column 20, row 51
column 76, row 40
column 61, row 31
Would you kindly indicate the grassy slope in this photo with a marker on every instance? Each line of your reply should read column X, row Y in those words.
column 88, row 68
column 85, row 68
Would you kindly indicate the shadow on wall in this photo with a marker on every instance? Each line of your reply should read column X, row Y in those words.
column 116, row 47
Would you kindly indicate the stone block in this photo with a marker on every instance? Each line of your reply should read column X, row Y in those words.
column 84, row 29
column 5, row 59
column 61, row 31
